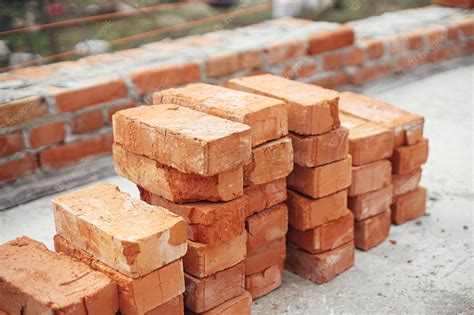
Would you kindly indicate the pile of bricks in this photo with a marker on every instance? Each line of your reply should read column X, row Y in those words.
column 371, row 192
column 264, row 176
column 320, row 236
column 192, row 163
column 138, row 246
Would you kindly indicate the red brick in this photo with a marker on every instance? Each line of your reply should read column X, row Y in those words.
column 164, row 76
column 266, row 195
column 175, row 306
column 415, row 40
column 112, row 110
column 372, row 231
column 370, row 177
column 395, row 44
column 266, row 226
column 372, row 203
column 17, row 168
column 332, row 61
column 370, row 73
column 453, row 32
column 47, row 134
column 409, row 206
column 333, row 81
column 469, row 46
column 281, row 51
column 403, row 64
column 11, row 143
column 331, row 40
column 87, row 122
column 306, row 213
column 403, row 184
column 324, row 237
column 61, row 155
column 264, row 282
column 373, row 47
column 265, row 256
column 434, row 34
column 95, row 92
column 225, row 63
column 353, row 56
column 455, row 3
column 406, row 159
column 320, row 268
column 20, row 111
column 240, row 305
column 467, row 26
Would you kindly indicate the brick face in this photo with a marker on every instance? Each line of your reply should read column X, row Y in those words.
column 68, row 153
column 87, row 122
column 331, row 40
column 11, row 143
column 117, row 108
column 20, row 111
column 47, row 134
column 228, row 62
column 17, row 168
column 282, row 51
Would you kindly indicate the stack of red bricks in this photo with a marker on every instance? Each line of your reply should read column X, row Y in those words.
column 192, row 163
column 371, row 193
column 138, row 246
column 264, row 176
column 320, row 237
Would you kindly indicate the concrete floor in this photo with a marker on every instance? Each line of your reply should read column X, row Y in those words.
column 429, row 269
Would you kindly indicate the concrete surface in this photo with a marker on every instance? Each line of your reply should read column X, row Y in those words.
column 429, row 269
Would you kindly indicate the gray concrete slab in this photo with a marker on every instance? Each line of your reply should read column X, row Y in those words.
column 429, row 269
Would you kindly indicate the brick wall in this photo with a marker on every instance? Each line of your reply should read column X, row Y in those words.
column 56, row 115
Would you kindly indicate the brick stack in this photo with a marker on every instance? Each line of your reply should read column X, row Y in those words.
column 320, row 236
column 136, row 245
column 34, row 280
column 192, row 164
column 370, row 194
column 263, row 177
column 410, row 152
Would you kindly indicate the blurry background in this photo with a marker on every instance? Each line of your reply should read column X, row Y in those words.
column 64, row 30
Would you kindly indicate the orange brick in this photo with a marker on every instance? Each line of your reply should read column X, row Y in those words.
column 324, row 237
column 405, row 183
column 87, row 122
column 307, row 213
column 176, row 186
column 174, row 306
column 370, row 73
column 407, row 127
column 311, row 109
column 265, row 256
column 311, row 151
column 202, row 260
column 207, row 146
column 225, row 63
column 331, row 40
column 373, row 47
column 61, row 155
column 48, row 133
column 372, row 203
column 456, row 3
column 266, row 226
column 43, row 282
column 139, row 295
column 323, row 180
column 406, row 159
column 11, row 143
column 240, row 305
column 204, row 294
column 112, row 110
column 20, row 111
column 466, row 26
column 368, row 141
column 92, row 93
column 372, row 231
column 415, row 40
column 353, row 56
column 164, row 76
column 332, row 61
column 333, row 81
column 211, row 223
column 409, row 206
column 14, row 169
column 264, row 282
column 306, row 69
column 285, row 50
column 270, row 161
column 320, row 268
column 370, row 177
column 266, row 195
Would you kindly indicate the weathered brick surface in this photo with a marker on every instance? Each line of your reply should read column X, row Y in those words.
column 266, row 226
column 372, row 203
column 22, row 110
column 225, row 63
column 370, row 177
column 174, row 185
column 409, row 206
column 270, row 161
column 323, row 180
column 87, row 122
column 266, row 195
column 406, row 159
column 48, row 133
column 265, row 256
column 13, row 169
column 372, row 231
column 331, row 40
column 368, row 141
column 136, row 296
column 188, row 140
column 324, row 237
column 11, row 143
column 311, row 109
column 263, row 282
column 306, row 213
column 267, row 117
column 320, row 268
column 127, row 234
column 311, row 151
column 240, row 305
column 204, row 294
column 174, row 306
column 285, row 50
column 203, row 260
column 39, row 281
column 210, row 223
column 403, row 184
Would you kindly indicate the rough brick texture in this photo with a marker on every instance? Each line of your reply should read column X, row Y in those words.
column 409, row 206
column 266, row 195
